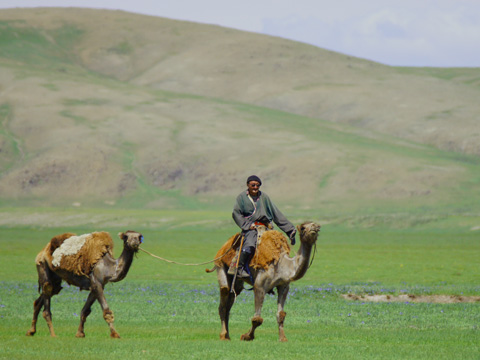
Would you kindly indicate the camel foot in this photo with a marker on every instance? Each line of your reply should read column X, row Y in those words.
column 283, row 339
column 30, row 332
column 224, row 337
column 80, row 334
column 256, row 322
column 247, row 337
column 114, row 335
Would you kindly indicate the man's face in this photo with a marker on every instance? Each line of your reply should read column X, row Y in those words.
column 253, row 188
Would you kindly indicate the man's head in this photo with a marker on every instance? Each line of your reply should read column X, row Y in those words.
column 253, row 184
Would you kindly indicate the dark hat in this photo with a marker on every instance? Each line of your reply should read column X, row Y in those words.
column 254, row 178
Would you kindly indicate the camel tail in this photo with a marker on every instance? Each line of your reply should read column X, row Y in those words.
column 211, row 270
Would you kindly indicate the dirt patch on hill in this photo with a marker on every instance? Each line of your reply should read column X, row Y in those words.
column 440, row 299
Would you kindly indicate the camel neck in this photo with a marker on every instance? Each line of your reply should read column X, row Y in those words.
column 301, row 261
column 122, row 266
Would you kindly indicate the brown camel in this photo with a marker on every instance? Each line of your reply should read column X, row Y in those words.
column 85, row 261
column 278, row 273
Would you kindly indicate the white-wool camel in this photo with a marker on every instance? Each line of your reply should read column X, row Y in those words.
column 271, row 268
column 85, row 261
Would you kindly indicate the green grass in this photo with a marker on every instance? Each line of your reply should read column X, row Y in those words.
column 85, row 102
column 170, row 311
column 122, row 48
column 175, row 320
column 469, row 76
column 77, row 119
column 34, row 46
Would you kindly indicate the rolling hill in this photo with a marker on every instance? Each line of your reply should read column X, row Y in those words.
column 107, row 108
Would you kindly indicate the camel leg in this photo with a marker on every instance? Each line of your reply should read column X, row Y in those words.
column 39, row 303
column 223, row 309
column 47, row 315
column 97, row 290
column 50, row 284
column 224, row 312
column 282, row 296
column 227, row 299
column 37, row 306
column 230, row 301
column 86, row 310
column 257, row 319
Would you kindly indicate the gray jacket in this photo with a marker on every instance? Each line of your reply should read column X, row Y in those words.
column 244, row 213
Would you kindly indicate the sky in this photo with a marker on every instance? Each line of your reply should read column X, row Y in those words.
column 435, row 33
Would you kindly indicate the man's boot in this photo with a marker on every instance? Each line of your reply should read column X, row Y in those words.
column 242, row 265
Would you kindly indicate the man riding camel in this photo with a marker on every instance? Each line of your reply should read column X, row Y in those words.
column 252, row 210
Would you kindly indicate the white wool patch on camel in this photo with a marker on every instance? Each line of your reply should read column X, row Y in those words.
column 70, row 246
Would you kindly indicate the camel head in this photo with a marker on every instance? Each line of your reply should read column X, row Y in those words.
column 131, row 240
column 308, row 232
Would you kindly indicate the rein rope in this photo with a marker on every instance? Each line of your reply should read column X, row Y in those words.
column 218, row 258
column 204, row 263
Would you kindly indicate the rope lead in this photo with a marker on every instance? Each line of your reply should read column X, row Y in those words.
column 204, row 263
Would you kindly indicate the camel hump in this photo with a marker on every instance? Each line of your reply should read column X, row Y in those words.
column 79, row 254
column 58, row 240
column 273, row 244
column 227, row 252
column 103, row 238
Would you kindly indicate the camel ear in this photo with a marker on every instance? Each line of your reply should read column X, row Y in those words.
column 299, row 228
column 122, row 236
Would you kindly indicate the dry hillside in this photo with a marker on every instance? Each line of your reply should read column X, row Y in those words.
column 111, row 107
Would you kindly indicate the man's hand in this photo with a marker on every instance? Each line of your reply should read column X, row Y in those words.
column 292, row 236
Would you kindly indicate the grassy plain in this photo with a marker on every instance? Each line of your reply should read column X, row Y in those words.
column 170, row 311
column 390, row 153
